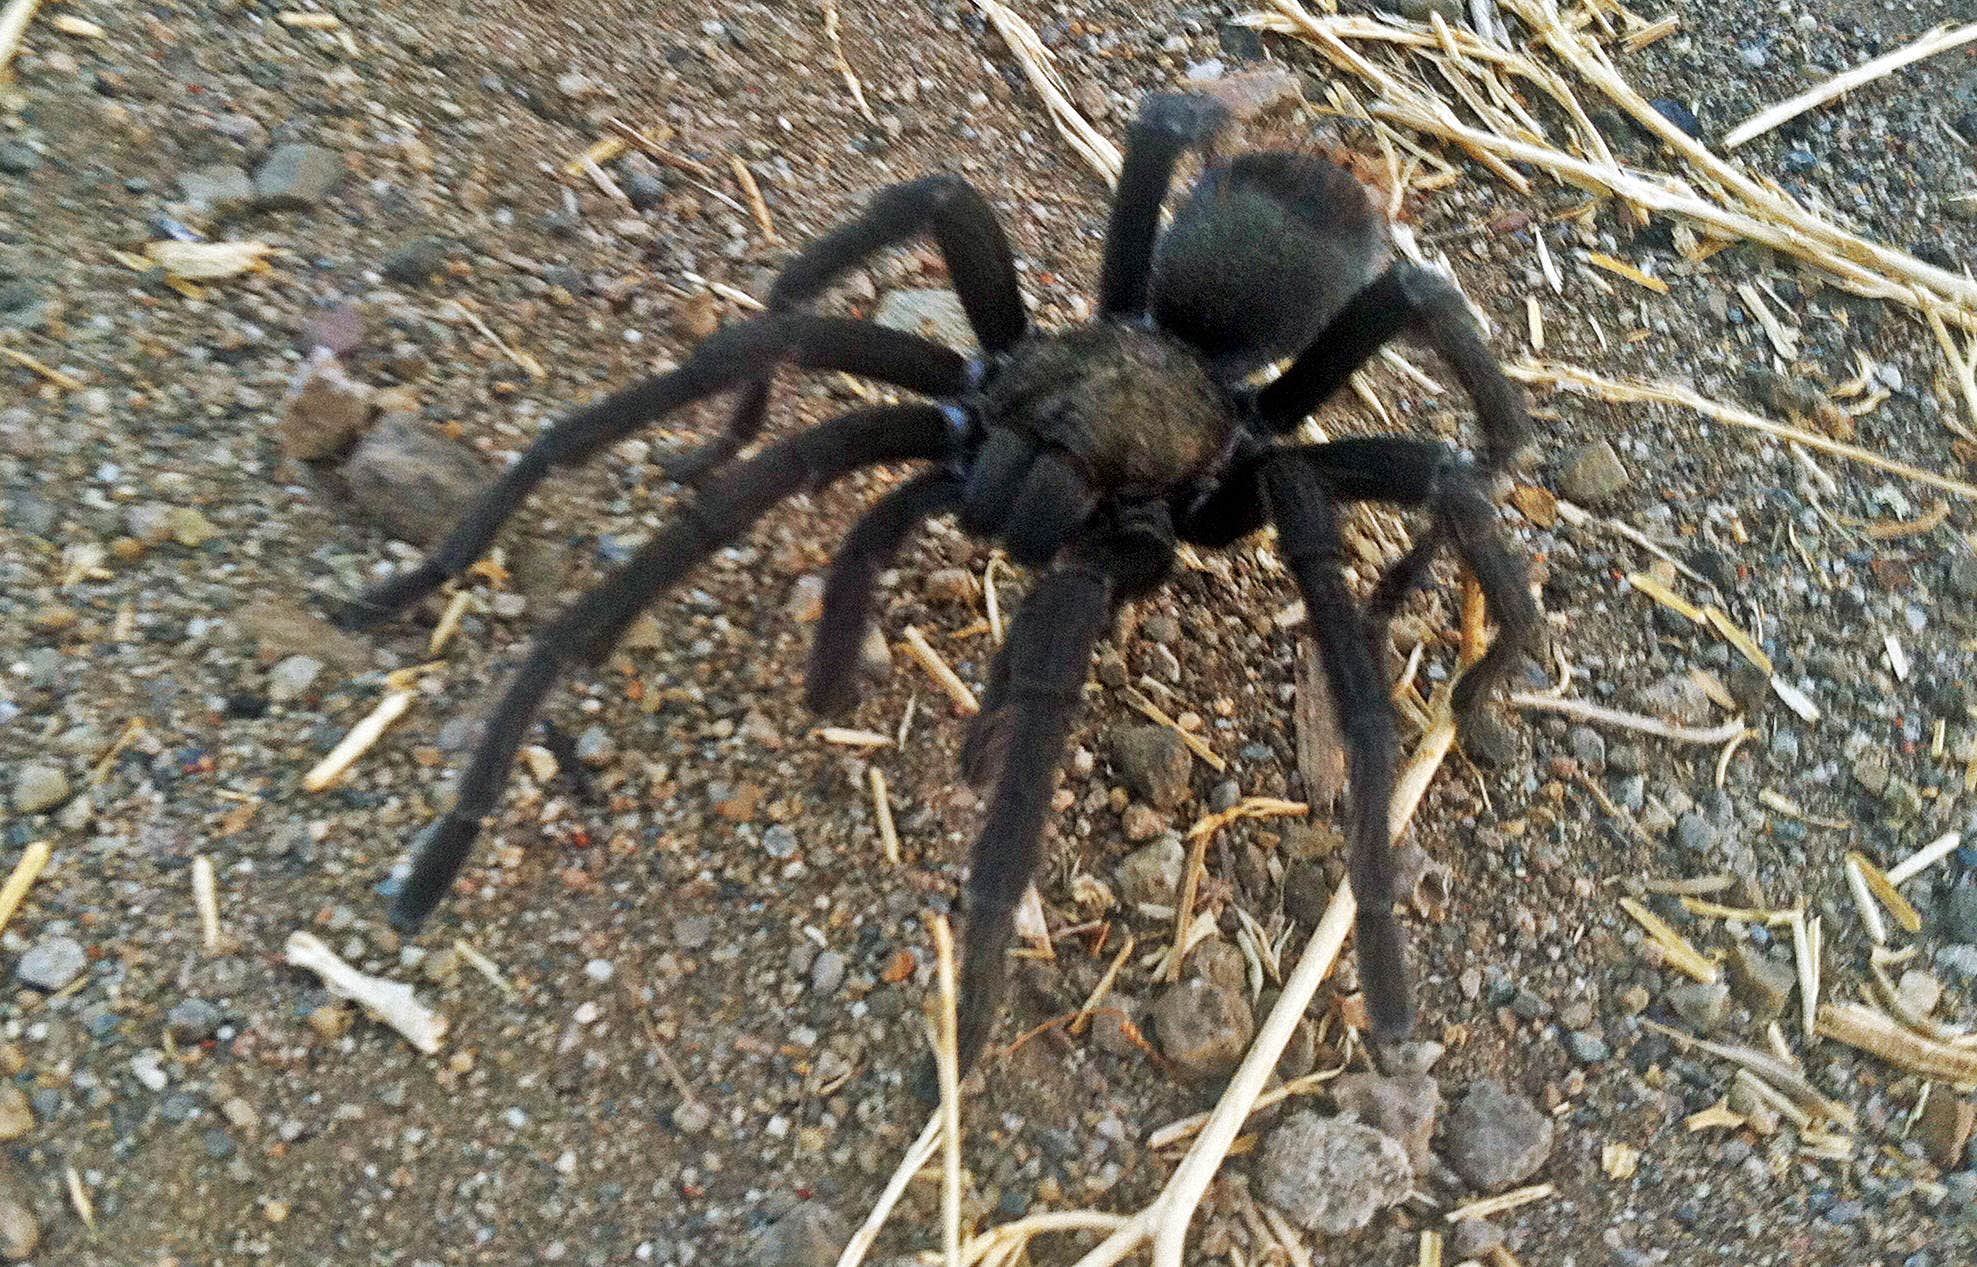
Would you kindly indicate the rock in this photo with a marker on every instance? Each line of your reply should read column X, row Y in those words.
column 1154, row 763
column 951, row 585
column 1219, row 963
column 1761, row 984
column 20, row 1229
column 1255, row 94
column 1960, row 914
column 691, row 1117
column 643, row 185
column 52, row 963
column 1142, row 822
column 1587, row 1047
column 220, row 190
column 1329, row 1175
column 1678, row 114
column 1404, row 1108
column 1592, row 474
column 827, row 972
column 1454, row 12
column 1111, row 1021
column 1676, row 698
column 291, row 679
column 1473, row 1239
column 931, row 314
column 1919, row 991
column 193, row 1021
column 296, row 177
column 190, row 528
column 1152, row 874
column 1704, row 1007
column 411, row 479
column 39, row 786
column 18, row 158
column 1489, row 740
column 1202, row 1028
column 1695, row 833
column 281, row 629
column 414, row 263
column 1495, row 1139
column 808, row 1236
column 1962, row 576
column 326, row 410
column 1588, row 747
column 16, row 1115
column 1945, row 1126
column 805, row 603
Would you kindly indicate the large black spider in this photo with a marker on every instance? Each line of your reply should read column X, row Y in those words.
column 1090, row 452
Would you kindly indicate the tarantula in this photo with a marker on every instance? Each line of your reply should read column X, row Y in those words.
column 1088, row 452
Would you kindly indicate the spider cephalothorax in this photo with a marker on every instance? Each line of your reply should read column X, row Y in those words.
column 1091, row 453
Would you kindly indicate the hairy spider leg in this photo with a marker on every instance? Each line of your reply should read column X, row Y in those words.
column 1165, row 127
column 1432, row 476
column 1308, row 534
column 586, row 631
column 1036, row 696
column 971, row 242
column 728, row 357
column 1405, row 296
column 833, row 682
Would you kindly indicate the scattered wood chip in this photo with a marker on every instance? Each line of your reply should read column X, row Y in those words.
column 355, row 744
column 1681, row 955
column 1795, row 699
column 1490, row 1207
column 1924, row 858
column 67, row 382
column 851, row 737
column 1623, row 269
column 1195, row 743
column 1868, row 1030
column 1937, row 40
column 208, row 261
column 1745, row 644
column 1863, row 900
column 1619, row 1160
column 602, row 151
column 33, row 859
column 915, row 644
column 1889, row 896
column 882, row 812
column 391, row 1002
column 300, row 21
column 206, row 897
column 1668, row 598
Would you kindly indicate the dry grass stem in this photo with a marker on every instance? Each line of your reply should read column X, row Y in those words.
column 1174, row 1132
column 1870, row 915
column 486, row 967
column 67, row 382
column 852, row 737
column 851, row 84
column 1768, row 1067
column 1195, row 743
column 34, row 859
column 392, row 1002
column 1681, row 955
column 79, row 1197
column 1924, row 858
column 1430, row 1253
column 355, row 744
column 918, row 1154
column 1868, row 1030
column 1634, row 391
column 916, row 645
column 449, row 622
column 1939, row 40
column 206, row 900
column 1104, row 986
column 1805, row 957
column 947, row 1061
column 753, row 192
column 882, row 811
column 14, row 21
column 1489, row 1207
column 1629, row 721
column 1886, row 893
column 1031, row 55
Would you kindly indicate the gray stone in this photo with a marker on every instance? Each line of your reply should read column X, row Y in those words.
column 412, row 480
column 1588, row 747
column 1761, row 984
column 1587, row 1047
column 326, row 410
column 931, row 314
column 193, row 1020
column 1329, row 1175
column 1495, row 1139
column 291, row 679
column 1203, row 1028
column 415, row 263
column 1704, row 1007
column 1154, row 763
column 1473, row 1239
column 296, row 177
column 18, row 158
column 1695, row 833
column 1115, row 1023
column 20, row 1228
column 1255, row 94
column 39, row 786
column 827, row 972
column 1592, row 474
column 16, row 1114
column 1676, row 698
column 1152, row 873
column 1454, row 12
column 810, row 1235
column 52, row 963
column 1404, row 1108
column 219, row 190
column 1920, row 991
column 1489, row 740
column 1960, row 914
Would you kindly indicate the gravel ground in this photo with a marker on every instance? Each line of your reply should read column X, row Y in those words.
column 708, row 987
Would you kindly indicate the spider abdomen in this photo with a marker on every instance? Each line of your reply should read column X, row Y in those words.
column 1135, row 409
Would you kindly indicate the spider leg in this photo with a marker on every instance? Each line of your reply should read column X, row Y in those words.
column 1308, row 531
column 1404, row 297
column 1166, row 126
column 587, row 630
column 1433, row 476
column 1037, row 696
column 971, row 243
column 728, row 357
column 832, row 685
